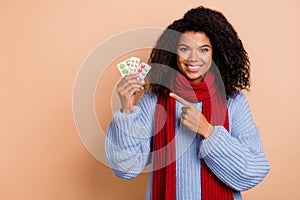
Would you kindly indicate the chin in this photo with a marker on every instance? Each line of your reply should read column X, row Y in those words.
column 195, row 79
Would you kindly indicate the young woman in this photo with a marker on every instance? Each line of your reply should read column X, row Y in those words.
column 193, row 124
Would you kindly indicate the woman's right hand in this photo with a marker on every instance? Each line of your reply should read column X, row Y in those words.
column 126, row 89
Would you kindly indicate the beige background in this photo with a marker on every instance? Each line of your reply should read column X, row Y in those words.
column 43, row 44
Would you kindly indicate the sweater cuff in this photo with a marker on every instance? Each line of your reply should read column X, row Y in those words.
column 128, row 123
column 207, row 145
column 120, row 117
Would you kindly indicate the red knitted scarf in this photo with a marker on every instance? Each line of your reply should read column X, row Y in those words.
column 214, row 108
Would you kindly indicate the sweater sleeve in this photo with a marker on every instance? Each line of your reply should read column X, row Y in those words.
column 128, row 140
column 237, row 158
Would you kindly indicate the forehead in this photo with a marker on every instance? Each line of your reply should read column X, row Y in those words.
column 194, row 39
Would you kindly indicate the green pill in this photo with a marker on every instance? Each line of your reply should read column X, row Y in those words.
column 122, row 66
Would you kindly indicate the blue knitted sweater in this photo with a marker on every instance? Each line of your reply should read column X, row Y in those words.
column 237, row 158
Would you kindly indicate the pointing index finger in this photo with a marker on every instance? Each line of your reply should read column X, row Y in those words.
column 180, row 99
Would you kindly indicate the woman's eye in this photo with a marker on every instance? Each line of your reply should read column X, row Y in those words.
column 204, row 50
column 183, row 49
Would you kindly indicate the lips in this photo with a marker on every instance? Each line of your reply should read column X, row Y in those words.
column 192, row 68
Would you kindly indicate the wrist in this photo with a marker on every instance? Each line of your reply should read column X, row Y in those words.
column 210, row 129
column 125, row 110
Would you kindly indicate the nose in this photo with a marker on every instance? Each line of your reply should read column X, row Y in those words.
column 193, row 56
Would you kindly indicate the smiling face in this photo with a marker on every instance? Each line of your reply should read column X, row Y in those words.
column 194, row 55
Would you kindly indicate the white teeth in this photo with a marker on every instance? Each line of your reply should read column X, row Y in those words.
column 193, row 67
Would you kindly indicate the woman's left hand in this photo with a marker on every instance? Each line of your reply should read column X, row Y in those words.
column 193, row 118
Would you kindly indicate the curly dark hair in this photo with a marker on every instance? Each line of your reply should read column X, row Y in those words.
column 229, row 55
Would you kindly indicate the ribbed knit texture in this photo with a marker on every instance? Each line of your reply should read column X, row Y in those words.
column 164, row 157
column 236, row 158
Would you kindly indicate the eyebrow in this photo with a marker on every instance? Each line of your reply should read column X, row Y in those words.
column 205, row 45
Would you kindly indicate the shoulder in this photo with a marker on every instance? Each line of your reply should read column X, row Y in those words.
column 147, row 101
column 148, row 96
column 240, row 98
column 238, row 107
column 238, row 104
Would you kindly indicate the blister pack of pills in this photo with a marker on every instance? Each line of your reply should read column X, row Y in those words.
column 133, row 66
